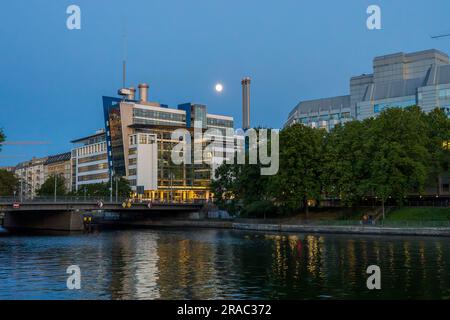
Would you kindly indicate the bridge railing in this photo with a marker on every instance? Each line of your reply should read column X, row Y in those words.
column 96, row 199
column 60, row 199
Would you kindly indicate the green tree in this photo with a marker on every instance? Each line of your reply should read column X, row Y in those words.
column 439, row 133
column 225, row 187
column 123, row 188
column 2, row 138
column 48, row 187
column 102, row 190
column 8, row 183
column 345, row 170
column 298, row 178
column 399, row 161
column 241, row 189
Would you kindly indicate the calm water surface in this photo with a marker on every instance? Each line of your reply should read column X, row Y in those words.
column 221, row 264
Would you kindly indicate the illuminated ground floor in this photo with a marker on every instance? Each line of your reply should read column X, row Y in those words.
column 176, row 194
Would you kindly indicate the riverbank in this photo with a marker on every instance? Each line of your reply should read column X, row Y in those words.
column 288, row 228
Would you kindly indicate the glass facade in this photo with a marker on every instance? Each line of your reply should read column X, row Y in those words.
column 93, row 177
column 115, row 131
column 444, row 94
column 378, row 107
column 199, row 115
column 141, row 121
column 153, row 117
column 93, row 167
column 219, row 122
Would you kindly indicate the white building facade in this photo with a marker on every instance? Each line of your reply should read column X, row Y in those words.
column 89, row 161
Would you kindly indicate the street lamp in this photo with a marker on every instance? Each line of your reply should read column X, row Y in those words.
column 55, row 187
column 111, row 186
column 27, row 184
column 56, row 175
column 117, row 189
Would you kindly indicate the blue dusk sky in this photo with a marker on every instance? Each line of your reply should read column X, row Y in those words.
column 52, row 79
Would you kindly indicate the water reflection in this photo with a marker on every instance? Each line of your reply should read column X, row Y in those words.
column 221, row 264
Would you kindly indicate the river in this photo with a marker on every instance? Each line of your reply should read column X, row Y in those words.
column 222, row 264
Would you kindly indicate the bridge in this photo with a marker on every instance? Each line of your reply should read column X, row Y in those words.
column 67, row 213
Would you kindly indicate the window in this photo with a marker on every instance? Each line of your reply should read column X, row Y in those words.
column 219, row 122
column 379, row 107
column 444, row 94
column 92, row 158
column 94, row 167
column 98, row 176
column 334, row 116
column 143, row 139
column 153, row 115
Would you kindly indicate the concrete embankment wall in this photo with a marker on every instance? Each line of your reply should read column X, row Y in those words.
column 290, row 228
column 345, row 229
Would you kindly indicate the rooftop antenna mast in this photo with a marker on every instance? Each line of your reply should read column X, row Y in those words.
column 124, row 56
column 126, row 93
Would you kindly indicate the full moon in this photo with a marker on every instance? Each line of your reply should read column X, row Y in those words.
column 219, row 87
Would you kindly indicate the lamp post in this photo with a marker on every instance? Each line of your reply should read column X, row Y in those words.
column 21, row 188
column 171, row 186
column 117, row 189
column 111, row 187
column 55, row 188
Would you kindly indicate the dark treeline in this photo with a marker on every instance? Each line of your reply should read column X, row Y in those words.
column 99, row 190
column 398, row 153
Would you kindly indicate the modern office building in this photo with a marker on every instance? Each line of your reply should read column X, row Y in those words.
column 398, row 80
column 31, row 176
column 139, row 145
column 89, row 160
column 59, row 165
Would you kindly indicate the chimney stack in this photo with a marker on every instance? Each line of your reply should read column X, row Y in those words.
column 245, row 103
column 143, row 92
column 132, row 94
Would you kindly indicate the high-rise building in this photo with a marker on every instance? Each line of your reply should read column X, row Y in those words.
column 398, row 80
column 89, row 160
column 139, row 144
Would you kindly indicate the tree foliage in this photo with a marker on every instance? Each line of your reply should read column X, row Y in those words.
column 240, row 188
column 2, row 138
column 8, row 183
column 387, row 157
column 298, row 178
column 48, row 187
column 104, row 189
